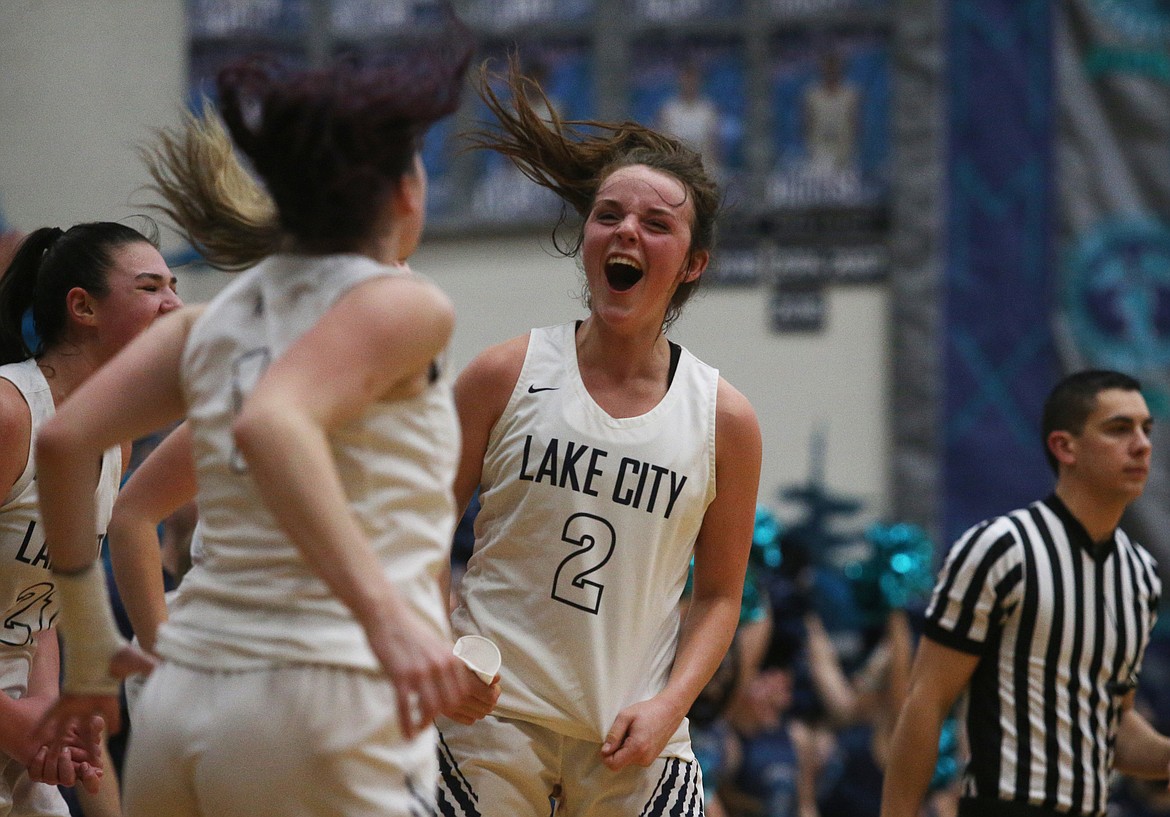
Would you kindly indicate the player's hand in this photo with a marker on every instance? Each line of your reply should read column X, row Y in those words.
column 74, row 713
column 479, row 702
column 76, row 757
column 639, row 734
column 62, row 766
column 427, row 677
column 61, row 763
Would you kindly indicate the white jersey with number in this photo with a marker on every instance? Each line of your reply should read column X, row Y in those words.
column 27, row 605
column 254, row 601
column 583, row 539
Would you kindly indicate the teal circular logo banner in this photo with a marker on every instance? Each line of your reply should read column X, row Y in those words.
column 1116, row 298
column 1146, row 21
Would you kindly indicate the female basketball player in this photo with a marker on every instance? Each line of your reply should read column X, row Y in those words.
column 163, row 483
column 89, row 290
column 310, row 650
column 605, row 455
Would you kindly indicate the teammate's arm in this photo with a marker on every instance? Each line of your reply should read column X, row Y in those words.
column 135, row 393
column 641, row 731
column 162, row 483
column 482, row 391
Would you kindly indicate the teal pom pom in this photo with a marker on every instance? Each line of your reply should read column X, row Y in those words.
column 903, row 559
column 766, row 540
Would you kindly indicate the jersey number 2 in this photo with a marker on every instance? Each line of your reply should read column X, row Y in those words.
column 595, row 537
column 30, row 617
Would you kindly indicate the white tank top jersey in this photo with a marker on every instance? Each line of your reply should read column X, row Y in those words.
column 254, row 601
column 583, row 539
column 27, row 605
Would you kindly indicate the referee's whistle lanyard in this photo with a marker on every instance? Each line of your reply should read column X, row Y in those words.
column 1125, row 681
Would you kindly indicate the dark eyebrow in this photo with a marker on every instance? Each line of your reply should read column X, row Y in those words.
column 154, row 276
column 653, row 211
column 1127, row 419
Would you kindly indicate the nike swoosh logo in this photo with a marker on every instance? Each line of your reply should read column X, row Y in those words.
column 534, row 389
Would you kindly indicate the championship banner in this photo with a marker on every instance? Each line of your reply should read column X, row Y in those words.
column 1113, row 79
column 999, row 359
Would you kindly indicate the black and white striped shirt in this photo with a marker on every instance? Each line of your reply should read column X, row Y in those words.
column 1061, row 626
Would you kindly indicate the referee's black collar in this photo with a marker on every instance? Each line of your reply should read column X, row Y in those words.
column 1077, row 534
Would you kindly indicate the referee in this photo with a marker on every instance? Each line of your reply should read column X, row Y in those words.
column 1043, row 616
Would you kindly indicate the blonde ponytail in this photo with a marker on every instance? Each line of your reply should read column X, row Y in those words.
column 214, row 202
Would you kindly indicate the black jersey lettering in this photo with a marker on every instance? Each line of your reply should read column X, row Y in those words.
column 573, row 453
column 621, row 494
column 25, row 555
column 638, row 484
column 593, row 472
column 633, row 478
column 652, row 500
column 524, row 475
column 547, row 472
column 22, row 554
column 562, row 471
column 677, row 481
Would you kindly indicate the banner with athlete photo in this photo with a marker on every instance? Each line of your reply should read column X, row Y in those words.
column 1113, row 269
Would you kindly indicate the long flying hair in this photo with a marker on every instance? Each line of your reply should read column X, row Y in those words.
column 328, row 145
column 573, row 157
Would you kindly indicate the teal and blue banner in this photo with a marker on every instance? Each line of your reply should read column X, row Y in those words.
column 1113, row 265
column 999, row 358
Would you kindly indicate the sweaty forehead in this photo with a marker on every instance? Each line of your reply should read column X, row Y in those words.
column 138, row 259
column 645, row 186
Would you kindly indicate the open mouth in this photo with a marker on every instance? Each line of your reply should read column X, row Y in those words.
column 622, row 273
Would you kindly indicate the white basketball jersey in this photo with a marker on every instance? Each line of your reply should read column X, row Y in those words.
column 583, row 540
column 27, row 603
column 254, row 601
